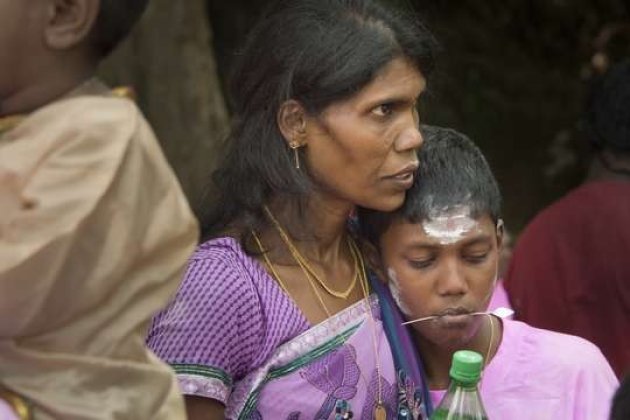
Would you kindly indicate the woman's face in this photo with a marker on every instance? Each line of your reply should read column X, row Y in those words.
column 363, row 149
column 443, row 266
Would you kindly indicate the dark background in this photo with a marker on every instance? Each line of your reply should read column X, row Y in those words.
column 512, row 74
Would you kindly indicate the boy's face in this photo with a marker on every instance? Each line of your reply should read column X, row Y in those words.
column 20, row 31
column 446, row 265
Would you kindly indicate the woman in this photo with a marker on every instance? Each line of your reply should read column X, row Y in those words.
column 441, row 251
column 272, row 319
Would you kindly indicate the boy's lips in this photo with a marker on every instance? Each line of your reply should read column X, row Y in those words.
column 460, row 310
column 454, row 321
column 454, row 317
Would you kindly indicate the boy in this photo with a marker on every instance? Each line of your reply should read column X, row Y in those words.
column 94, row 228
column 440, row 253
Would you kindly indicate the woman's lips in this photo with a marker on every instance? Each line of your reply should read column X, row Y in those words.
column 404, row 177
column 403, row 180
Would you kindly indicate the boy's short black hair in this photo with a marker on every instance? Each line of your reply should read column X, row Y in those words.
column 114, row 22
column 452, row 172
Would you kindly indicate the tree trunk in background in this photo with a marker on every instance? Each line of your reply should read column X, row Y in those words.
column 169, row 61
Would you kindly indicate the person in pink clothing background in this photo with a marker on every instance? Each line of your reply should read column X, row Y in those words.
column 440, row 253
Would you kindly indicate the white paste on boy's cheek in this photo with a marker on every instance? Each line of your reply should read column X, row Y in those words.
column 394, row 288
column 448, row 226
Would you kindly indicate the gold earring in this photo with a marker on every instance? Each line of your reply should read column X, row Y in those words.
column 295, row 146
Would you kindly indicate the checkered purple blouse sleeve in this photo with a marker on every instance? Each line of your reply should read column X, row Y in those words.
column 215, row 319
column 226, row 319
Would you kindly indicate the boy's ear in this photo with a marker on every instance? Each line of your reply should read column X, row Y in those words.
column 69, row 22
column 500, row 234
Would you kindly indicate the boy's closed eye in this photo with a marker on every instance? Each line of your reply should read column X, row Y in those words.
column 478, row 250
column 476, row 258
column 421, row 263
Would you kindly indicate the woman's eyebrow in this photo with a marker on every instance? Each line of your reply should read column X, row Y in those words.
column 395, row 100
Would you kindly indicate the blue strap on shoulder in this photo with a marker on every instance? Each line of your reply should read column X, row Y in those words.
column 406, row 357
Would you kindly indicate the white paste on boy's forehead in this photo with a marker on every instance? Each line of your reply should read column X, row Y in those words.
column 449, row 225
column 394, row 288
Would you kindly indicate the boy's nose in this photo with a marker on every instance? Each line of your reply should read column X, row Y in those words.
column 452, row 281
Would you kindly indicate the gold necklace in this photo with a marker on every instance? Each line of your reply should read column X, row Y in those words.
column 303, row 262
column 379, row 412
column 487, row 359
column 268, row 263
column 275, row 274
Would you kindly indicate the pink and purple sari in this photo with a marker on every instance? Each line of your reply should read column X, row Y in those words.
column 6, row 412
column 233, row 335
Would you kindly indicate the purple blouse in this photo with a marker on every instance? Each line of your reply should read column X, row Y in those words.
column 228, row 314
column 233, row 335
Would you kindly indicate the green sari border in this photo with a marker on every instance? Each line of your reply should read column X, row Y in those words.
column 202, row 370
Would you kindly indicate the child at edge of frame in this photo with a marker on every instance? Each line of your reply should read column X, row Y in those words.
column 94, row 230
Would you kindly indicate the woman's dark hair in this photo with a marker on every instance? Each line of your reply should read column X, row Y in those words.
column 313, row 51
column 115, row 20
column 452, row 172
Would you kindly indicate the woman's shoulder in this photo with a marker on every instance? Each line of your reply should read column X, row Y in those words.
column 220, row 269
column 223, row 254
column 220, row 249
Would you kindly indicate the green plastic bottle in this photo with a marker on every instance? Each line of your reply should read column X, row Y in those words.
column 462, row 400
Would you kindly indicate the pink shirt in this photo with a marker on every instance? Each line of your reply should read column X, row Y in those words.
column 540, row 374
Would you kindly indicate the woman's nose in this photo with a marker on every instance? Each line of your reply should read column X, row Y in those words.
column 409, row 138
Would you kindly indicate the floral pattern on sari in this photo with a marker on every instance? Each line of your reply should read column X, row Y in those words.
column 335, row 374
column 389, row 392
column 320, row 341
